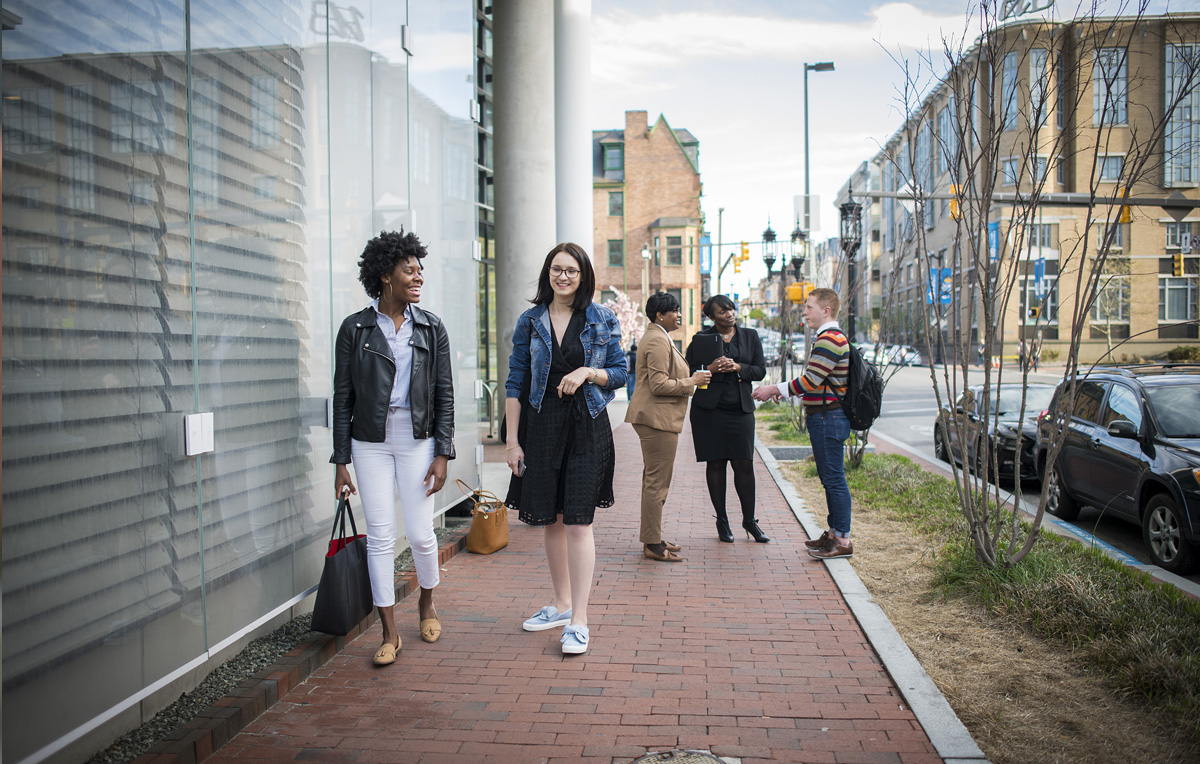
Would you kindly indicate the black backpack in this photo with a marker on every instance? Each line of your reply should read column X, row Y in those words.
column 864, row 391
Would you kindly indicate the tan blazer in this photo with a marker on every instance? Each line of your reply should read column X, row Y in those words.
column 662, row 384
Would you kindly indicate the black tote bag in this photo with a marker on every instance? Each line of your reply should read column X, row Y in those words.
column 344, row 594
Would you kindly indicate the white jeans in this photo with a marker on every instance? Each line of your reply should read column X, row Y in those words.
column 383, row 470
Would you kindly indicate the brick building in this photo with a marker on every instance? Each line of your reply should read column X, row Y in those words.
column 646, row 212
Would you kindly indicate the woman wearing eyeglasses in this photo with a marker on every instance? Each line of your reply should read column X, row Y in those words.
column 566, row 362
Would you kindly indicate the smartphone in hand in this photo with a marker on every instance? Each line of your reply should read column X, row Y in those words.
column 520, row 467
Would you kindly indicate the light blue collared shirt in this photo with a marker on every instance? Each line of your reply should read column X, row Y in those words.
column 400, row 343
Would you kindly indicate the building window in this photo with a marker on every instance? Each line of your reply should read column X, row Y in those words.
column 677, row 293
column 947, row 139
column 1118, row 235
column 1109, row 88
column 28, row 120
column 674, row 250
column 607, row 297
column 1039, row 83
column 1060, row 101
column 1042, row 235
column 1110, row 168
column 1112, row 302
column 1181, row 160
column 1047, row 305
column 616, row 253
column 264, row 187
column 1060, row 171
column 1008, row 89
column 616, row 203
column 656, row 250
column 1009, row 169
column 1177, row 298
column 141, row 192
column 614, row 161
column 1179, row 236
column 264, row 111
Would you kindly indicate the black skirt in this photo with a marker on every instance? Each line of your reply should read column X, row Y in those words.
column 568, row 463
column 720, row 434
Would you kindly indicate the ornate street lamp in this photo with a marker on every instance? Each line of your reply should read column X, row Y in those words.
column 769, row 247
column 851, row 240
column 799, row 250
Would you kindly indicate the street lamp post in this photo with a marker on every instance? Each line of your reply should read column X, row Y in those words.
column 851, row 239
column 645, row 273
column 769, row 256
column 824, row 66
column 800, row 246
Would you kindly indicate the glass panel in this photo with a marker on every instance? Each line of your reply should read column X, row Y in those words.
column 102, row 572
column 254, row 325
column 440, row 203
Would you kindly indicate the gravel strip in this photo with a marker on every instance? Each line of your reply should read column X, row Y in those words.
column 256, row 656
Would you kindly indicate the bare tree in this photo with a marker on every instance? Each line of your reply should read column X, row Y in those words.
column 1024, row 102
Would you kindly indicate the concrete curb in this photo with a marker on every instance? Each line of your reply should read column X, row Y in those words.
column 216, row 725
column 945, row 730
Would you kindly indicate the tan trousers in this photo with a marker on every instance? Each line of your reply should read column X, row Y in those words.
column 658, row 456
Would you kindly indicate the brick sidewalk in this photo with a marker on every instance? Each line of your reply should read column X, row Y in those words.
column 746, row 650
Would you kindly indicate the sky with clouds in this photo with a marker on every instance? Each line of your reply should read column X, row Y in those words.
column 731, row 72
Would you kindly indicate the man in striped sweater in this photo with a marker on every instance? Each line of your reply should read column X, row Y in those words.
column 825, row 374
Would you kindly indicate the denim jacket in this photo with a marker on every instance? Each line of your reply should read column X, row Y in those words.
column 601, row 350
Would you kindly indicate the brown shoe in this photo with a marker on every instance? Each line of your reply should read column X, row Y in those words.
column 834, row 552
column 386, row 654
column 666, row 556
column 824, row 542
column 672, row 547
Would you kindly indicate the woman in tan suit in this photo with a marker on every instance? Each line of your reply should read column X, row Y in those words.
column 659, row 405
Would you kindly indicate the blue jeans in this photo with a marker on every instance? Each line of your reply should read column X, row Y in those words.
column 828, row 432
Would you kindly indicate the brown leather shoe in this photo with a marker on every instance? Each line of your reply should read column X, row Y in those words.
column 666, row 556
column 672, row 547
column 835, row 551
column 821, row 543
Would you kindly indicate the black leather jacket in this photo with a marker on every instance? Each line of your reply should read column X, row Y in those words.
column 362, row 383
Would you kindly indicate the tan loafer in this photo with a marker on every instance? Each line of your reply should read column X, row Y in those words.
column 387, row 653
column 672, row 547
column 666, row 556
column 431, row 629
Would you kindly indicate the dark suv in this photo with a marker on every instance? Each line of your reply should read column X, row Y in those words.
column 1132, row 449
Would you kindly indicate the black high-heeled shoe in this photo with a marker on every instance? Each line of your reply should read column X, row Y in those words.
column 752, row 530
column 723, row 532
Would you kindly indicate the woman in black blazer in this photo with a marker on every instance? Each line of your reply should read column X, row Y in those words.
column 722, row 416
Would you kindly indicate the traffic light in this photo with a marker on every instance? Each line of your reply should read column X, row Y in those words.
column 1035, row 312
column 955, row 213
column 1126, row 214
column 1178, row 264
column 737, row 264
column 745, row 252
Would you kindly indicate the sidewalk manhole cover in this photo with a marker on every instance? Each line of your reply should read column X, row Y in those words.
column 678, row 757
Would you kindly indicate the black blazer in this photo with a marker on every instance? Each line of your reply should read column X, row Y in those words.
column 754, row 368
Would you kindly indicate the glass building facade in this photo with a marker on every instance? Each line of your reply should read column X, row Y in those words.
column 186, row 189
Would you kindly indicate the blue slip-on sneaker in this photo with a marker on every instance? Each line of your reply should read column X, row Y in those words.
column 574, row 640
column 547, row 618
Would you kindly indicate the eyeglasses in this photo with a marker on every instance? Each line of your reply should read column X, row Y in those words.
column 570, row 273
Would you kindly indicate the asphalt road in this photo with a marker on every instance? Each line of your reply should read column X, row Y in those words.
column 909, row 410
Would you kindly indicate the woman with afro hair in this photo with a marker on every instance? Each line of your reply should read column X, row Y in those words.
column 393, row 416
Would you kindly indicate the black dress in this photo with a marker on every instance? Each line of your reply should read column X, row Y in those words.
column 722, row 427
column 568, row 455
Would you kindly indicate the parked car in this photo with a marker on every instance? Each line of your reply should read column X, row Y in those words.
column 1132, row 449
column 902, row 355
column 1009, row 433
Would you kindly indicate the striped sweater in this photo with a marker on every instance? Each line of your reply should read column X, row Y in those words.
column 827, row 370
